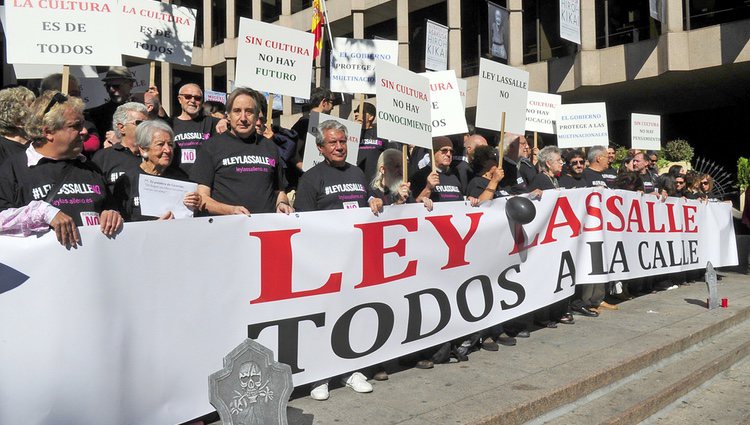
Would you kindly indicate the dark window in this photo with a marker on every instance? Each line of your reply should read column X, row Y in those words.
column 417, row 23
column 219, row 24
column 299, row 5
column 622, row 22
column 244, row 9
column 703, row 13
column 270, row 10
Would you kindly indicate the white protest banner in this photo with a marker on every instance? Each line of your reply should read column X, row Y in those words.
column 158, row 31
column 570, row 20
column 436, row 46
column 645, row 132
column 501, row 88
column 215, row 96
column 93, row 92
column 462, row 87
column 106, row 331
column 541, row 112
column 158, row 195
column 353, row 63
column 273, row 58
column 448, row 115
column 404, row 108
column 312, row 155
column 581, row 125
column 62, row 32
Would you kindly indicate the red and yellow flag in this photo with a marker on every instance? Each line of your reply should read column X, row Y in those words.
column 316, row 27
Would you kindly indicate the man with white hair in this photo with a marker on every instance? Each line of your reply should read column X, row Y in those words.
column 124, row 154
column 192, row 127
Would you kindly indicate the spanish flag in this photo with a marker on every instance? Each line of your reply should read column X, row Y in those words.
column 316, row 27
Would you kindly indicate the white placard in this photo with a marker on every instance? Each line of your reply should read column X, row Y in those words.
column 582, row 124
column 63, row 32
column 273, row 58
column 436, row 46
column 158, row 31
column 656, row 9
column 158, row 195
column 462, row 87
column 215, row 96
column 448, row 115
column 501, row 88
column 541, row 112
column 404, row 108
column 570, row 20
column 353, row 63
column 645, row 132
column 312, row 155
column 94, row 93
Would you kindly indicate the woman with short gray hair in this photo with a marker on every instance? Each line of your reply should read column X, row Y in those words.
column 155, row 141
column 550, row 166
column 14, row 109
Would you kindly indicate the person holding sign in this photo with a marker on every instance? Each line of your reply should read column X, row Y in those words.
column 486, row 184
column 119, row 82
column 155, row 141
column 334, row 183
column 370, row 145
column 53, row 170
column 239, row 172
column 388, row 187
column 124, row 154
column 192, row 127
column 443, row 184
column 519, row 169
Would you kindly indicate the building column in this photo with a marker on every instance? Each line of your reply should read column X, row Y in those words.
column 358, row 18
column 672, row 22
column 231, row 12
column 515, row 47
column 454, row 37
column 588, row 25
column 207, row 21
column 165, row 91
column 402, row 32
column 208, row 78
column 587, row 66
column 257, row 4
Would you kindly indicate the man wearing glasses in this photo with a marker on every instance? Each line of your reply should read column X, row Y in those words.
column 443, row 184
column 192, row 127
column 119, row 82
column 594, row 175
column 321, row 101
column 573, row 177
column 124, row 154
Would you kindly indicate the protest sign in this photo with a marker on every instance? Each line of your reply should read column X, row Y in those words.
column 389, row 286
column 582, row 124
column 501, row 88
column 353, row 63
column 645, row 132
column 158, row 195
column 541, row 112
column 158, row 31
column 436, row 46
column 570, row 20
column 63, row 32
column 93, row 92
column 273, row 58
column 404, row 107
column 312, row 155
column 215, row 96
column 448, row 115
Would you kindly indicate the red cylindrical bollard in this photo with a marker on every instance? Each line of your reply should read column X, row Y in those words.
column 724, row 302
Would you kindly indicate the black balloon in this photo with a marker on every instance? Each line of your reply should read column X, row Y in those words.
column 520, row 210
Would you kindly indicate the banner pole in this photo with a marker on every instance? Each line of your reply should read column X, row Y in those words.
column 432, row 159
column 152, row 74
column 64, row 86
column 501, row 145
column 536, row 145
column 404, row 163
column 362, row 109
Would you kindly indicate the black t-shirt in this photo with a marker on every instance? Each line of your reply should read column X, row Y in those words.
column 569, row 182
column 478, row 184
column 518, row 175
column 370, row 148
column 127, row 196
column 246, row 172
column 610, row 175
column 189, row 136
column 9, row 148
column 101, row 116
column 448, row 189
column 543, row 182
column 82, row 196
column 526, row 170
column 595, row 178
column 648, row 183
column 324, row 187
column 114, row 162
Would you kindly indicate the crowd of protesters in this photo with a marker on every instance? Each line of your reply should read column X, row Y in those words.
column 62, row 167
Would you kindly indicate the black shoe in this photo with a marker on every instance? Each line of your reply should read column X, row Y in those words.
column 490, row 345
column 507, row 341
column 459, row 353
column 443, row 354
column 584, row 311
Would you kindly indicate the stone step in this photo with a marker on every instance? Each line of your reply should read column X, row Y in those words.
column 639, row 396
column 721, row 400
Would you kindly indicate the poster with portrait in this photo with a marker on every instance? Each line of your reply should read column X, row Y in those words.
column 498, row 30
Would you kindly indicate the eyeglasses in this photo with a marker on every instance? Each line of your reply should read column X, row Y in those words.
column 446, row 151
column 191, row 97
column 135, row 122
column 578, row 162
column 679, row 182
column 57, row 98
column 112, row 86
column 705, row 183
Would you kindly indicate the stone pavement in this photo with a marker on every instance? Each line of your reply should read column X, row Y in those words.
column 549, row 370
